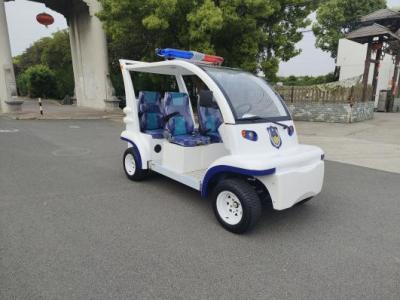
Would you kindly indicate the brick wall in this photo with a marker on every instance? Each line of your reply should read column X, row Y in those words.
column 332, row 112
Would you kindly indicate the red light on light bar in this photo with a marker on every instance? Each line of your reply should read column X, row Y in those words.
column 213, row 59
column 169, row 53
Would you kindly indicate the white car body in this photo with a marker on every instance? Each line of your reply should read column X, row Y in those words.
column 290, row 173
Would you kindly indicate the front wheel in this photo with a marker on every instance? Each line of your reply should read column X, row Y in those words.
column 131, row 166
column 236, row 205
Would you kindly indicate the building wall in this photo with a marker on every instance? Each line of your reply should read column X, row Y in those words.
column 351, row 60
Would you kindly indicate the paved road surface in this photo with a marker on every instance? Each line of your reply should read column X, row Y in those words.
column 73, row 227
column 373, row 144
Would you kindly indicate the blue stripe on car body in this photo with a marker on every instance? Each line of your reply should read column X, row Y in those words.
column 223, row 168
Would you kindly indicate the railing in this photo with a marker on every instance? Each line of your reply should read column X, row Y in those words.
column 324, row 93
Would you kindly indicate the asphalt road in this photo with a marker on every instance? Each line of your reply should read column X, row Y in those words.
column 73, row 227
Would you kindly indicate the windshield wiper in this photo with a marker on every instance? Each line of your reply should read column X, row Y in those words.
column 258, row 118
column 280, row 124
column 251, row 118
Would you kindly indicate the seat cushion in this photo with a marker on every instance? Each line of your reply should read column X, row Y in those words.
column 212, row 123
column 182, row 123
column 178, row 126
column 156, row 133
column 152, row 121
column 190, row 140
column 214, row 137
column 210, row 119
column 150, row 112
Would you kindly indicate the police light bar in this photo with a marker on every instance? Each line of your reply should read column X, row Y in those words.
column 169, row 53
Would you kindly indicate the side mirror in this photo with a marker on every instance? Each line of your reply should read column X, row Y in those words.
column 206, row 98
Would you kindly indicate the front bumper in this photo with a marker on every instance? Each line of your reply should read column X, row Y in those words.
column 289, row 186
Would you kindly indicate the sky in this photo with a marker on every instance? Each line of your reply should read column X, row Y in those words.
column 24, row 30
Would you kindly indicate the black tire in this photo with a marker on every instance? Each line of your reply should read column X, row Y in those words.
column 137, row 174
column 302, row 202
column 249, row 200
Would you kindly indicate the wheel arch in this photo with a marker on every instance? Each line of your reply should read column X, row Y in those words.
column 217, row 173
column 135, row 150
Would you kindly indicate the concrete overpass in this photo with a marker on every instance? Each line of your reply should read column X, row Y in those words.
column 93, row 86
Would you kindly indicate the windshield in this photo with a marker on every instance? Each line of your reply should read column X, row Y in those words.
column 249, row 96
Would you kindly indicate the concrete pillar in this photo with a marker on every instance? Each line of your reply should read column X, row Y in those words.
column 93, row 86
column 8, row 87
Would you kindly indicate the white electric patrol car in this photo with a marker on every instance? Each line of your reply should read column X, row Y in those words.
column 240, row 147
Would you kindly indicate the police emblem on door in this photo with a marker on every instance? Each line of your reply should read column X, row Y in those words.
column 274, row 136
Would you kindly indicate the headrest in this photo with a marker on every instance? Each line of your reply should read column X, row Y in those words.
column 206, row 99
column 177, row 99
column 149, row 97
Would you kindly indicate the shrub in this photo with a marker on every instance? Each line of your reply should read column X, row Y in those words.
column 22, row 84
column 38, row 81
column 308, row 80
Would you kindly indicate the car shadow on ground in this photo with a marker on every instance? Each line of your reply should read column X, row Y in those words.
column 271, row 220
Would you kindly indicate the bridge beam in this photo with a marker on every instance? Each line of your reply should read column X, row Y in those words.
column 93, row 86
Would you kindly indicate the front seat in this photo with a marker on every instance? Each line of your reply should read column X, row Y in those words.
column 179, row 125
column 210, row 117
column 150, row 114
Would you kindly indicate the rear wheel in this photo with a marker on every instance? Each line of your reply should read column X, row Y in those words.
column 131, row 166
column 236, row 205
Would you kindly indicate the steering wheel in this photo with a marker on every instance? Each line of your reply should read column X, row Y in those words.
column 246, row 106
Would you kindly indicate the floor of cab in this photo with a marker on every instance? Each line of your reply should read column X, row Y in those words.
column 192, row 179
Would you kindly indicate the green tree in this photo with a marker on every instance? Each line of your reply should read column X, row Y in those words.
column 54, row 53
column 251, row 34
column 335, row 18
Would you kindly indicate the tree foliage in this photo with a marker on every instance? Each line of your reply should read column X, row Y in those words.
column 251, row 34
column 307, row 80
column 54, row 53
column 38, row 81
column 335, row 18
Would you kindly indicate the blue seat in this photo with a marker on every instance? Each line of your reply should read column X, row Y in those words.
column 150, row 114
column 179, row 124
column 210, row 117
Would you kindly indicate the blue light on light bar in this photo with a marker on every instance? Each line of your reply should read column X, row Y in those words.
column 169, row 53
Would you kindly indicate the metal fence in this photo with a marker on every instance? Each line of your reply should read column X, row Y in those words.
column 324, row 93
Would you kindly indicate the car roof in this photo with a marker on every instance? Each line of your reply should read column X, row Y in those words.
column 170, row 67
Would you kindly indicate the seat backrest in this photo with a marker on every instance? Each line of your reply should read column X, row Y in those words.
column 182, row 122
column 210, row 117
column 150, row 112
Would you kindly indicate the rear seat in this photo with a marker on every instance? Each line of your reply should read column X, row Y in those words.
column 150, row 114
column 179, row 124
